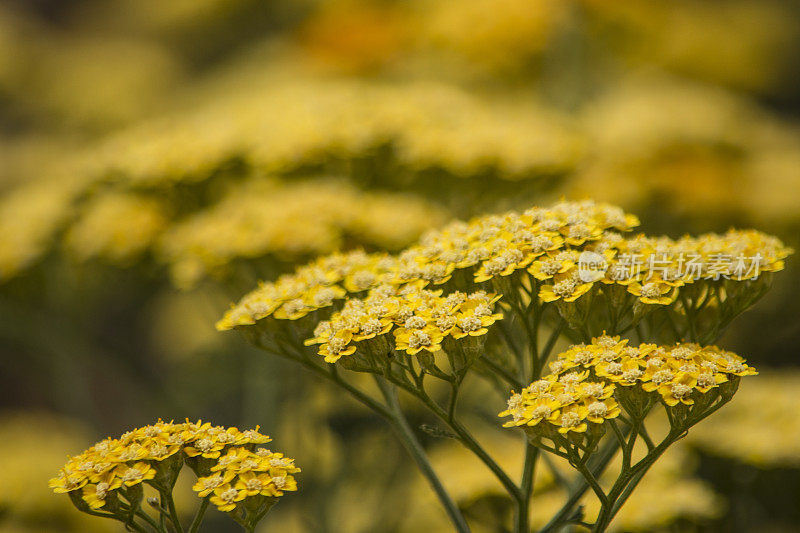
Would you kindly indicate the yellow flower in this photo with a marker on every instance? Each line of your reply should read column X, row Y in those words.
column 208, row 484
column 277, row 462
column 252, row 436
column 280, row 483
column 225, row 497
column 205, row 447
column 230, row 459
column 370, row 327
column 133, row 475
column 546, row 268
column 413, row 341
column 337, row 346
column 567, row 287
column 579, row 233
column 573, row 419
column 572, row 394
column 678, row 390
column 67, row 482
column 95, row 495
column 730, row 363
column 654, row 292
column 504, row 263
column 595, row 390
column 625, row 371
column 472, row 324
column 598, row 411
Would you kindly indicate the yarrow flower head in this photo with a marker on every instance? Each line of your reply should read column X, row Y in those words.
column 421, row 320
column 564, row 255
column 591, row 383
column 231, row 465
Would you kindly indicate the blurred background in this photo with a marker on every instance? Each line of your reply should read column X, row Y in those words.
column 158, row 158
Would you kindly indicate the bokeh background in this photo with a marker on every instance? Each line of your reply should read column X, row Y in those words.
column 158, row 158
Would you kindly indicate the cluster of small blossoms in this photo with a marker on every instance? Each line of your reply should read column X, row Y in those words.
column 653, row 269
column 498, row 245
column 546, row 241
column 420, row 319
column 566, row 402
column 616, row 373
column 265, row 217
column 244, row 473
column 154, row 454
column 560, row 254
column 311, row 287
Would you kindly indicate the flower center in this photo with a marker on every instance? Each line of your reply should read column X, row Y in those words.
column 651, row 290
column 229, row 495
column 570, row 420
column 419, row 338
column 680, row 391
column 662, row 376
column 470, row 323
column 253, row 484
column 541, row 411
column 132, row 474
column 597, row 409
column 415, row 322
column 278, row 463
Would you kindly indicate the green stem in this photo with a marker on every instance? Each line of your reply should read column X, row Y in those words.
column 500, row 371
column 418, row 453
column 593, row 483
column 133, row 525
column 466, row 438
column 548, row 347
column 198, row 517
column 689, row 310
column 173, row 513
column 141, row 514
column 451, row 407
column 646, row 436
column 397, row 420
column 601, row 461
column 628, row 481
column 522, row 515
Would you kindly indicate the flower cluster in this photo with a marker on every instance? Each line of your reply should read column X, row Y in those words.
column 243, row 473
column 486, row 248
column 654, row 268
column 154, row 454
column 267, row 217
column 589, row 382
column 567, row 402
column 569, row 252
column 498, row 245
column 311, row 287
column 421, row 320
column 117, row 227
column 274, row 124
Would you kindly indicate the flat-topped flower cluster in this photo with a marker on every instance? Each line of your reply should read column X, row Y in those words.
column 566, row 253
column 243, row 473
column 420, row 320
column 234, row 468
column 653, row 268
column 589, row 383
column 485, row 248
